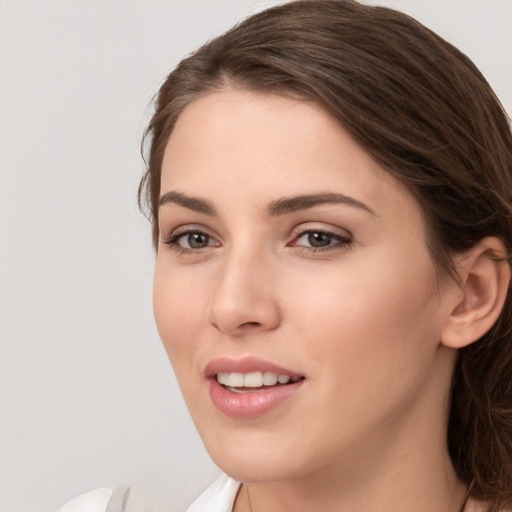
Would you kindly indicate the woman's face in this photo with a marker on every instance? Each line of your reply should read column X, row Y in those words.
column 287, row 253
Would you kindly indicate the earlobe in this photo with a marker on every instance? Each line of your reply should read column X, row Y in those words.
column 484, row 282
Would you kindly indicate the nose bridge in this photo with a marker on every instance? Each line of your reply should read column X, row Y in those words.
column 244, row 298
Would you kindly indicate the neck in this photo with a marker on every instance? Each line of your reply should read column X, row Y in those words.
column 466, row 505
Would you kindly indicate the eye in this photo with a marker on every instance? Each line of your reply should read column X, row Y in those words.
column 320, row 239
column 191, row 240
column 194, row 241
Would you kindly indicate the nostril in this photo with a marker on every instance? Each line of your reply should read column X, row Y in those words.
column 244, row 325
column 249, row 326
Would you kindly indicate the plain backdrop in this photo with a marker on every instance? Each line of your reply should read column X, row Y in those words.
column 87, row 396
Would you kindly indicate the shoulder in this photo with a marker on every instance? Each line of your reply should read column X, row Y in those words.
column 219, row 497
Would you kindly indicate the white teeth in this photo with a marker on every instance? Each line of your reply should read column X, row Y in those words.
column 235, row 380
column 253, row 379
column 222, row 378
column 269, row 379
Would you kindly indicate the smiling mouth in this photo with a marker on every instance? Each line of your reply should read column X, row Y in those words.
column 254, row 381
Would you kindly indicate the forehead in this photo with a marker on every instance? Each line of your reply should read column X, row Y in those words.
column 234, row 140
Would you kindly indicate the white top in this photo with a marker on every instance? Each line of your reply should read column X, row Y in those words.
column 219, row 497
column 104, row 499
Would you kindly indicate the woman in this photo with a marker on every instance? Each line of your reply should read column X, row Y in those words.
column 330, row 191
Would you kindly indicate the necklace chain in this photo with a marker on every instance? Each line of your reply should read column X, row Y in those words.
column 249, row 498
column 462, row 507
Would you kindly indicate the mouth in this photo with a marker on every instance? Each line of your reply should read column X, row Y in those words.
column 254, row 382
column 250, row 387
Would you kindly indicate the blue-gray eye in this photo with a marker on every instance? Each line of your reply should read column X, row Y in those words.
column 191, row 240
column 318, row 239
column 194, row 240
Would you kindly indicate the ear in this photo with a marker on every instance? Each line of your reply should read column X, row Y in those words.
column 484, row 281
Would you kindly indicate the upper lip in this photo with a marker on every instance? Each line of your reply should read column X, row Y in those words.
column 245, row 365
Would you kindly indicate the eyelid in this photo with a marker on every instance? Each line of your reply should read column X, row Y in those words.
column 308, row 227
column 186, row 228
column 343, row 239
column 175, row 234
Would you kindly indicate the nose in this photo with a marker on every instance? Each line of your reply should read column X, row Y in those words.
column 245, row 297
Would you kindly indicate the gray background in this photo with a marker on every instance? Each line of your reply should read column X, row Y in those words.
column 87, row 397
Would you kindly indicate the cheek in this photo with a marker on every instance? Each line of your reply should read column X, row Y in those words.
column 369, row 338
column 178, row 316
column 375, row 314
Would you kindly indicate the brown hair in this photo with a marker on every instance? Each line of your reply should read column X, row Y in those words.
column 421, row 109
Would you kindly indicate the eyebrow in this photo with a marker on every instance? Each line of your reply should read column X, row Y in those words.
column 279, row 207
column 303, row 202
column 192, row 203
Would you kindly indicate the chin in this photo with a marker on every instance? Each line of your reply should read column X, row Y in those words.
column 247, row 459
column 254, row 471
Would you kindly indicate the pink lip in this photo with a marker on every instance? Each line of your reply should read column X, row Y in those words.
column 245, row 365
column 255, row 403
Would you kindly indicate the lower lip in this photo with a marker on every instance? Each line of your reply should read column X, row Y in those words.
column 252, row 404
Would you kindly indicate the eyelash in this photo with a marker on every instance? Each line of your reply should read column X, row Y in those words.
column 341, row 241
column 173, row 241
